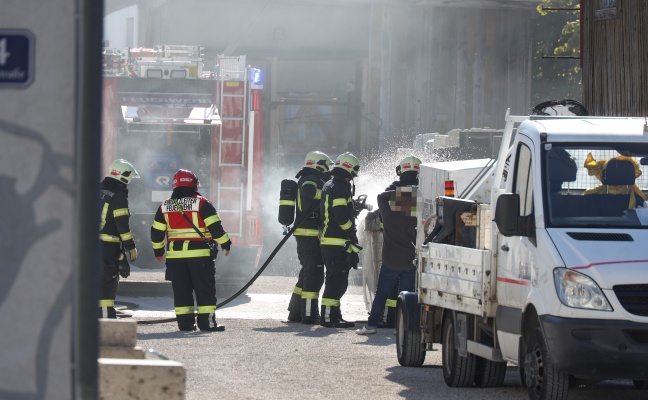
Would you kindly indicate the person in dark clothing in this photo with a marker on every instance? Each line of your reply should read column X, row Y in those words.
column 191, row 225
column 397, row 207
column 339, row 241
column 114, row 233
column 407, row 171
column 304, row 305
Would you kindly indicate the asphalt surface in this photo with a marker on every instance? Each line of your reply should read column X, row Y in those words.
column 260, row 356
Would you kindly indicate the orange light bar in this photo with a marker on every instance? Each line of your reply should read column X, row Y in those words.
column 449, row 189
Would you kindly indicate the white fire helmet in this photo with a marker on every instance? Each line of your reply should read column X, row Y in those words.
column 349, row 163
column 122, row 170
column 318, row 160
column 409, row 163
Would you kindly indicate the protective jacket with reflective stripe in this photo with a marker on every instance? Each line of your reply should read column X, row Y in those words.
column 182, row 240
column 114, row 226
column 309, row 191
column 336, row 207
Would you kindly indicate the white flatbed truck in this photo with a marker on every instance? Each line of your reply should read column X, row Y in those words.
column 543, row 263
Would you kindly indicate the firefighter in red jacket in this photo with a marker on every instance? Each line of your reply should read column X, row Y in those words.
column 114, row 233
column 191, row 225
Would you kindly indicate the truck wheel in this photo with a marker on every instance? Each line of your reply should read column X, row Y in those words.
column 541, row 378
column 489, row 373
column 641, row 385
column 409, row 346
column 457, row 371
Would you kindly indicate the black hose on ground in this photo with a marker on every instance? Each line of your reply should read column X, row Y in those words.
column 250, row 282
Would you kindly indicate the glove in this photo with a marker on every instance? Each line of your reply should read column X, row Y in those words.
column 351, row 247
column 226, row 246
column 352, row 260
column 132, row 254
column 124, row 267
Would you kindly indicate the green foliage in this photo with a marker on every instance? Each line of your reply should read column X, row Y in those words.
column 556, row 33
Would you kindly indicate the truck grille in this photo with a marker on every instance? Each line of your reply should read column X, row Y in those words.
column 634, row 298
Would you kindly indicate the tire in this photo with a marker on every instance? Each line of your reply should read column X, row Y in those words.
column 457, row 371
column 542, row 380
column 409, row 346
column 489, row 373
column 640, row 385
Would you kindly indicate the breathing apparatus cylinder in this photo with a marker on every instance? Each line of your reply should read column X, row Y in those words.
column 287, row 198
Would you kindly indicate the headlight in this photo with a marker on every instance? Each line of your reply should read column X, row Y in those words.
column 579, row 291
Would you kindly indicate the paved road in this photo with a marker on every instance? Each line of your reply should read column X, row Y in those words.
column 259, row 356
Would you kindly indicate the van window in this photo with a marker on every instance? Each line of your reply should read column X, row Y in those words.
column 600, row 185
column 524, row 180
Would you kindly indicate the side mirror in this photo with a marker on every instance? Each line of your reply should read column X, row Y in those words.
column 507, row 214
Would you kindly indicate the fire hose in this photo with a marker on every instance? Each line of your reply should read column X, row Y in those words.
column 358, row 206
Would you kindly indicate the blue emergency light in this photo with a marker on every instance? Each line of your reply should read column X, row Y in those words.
column 256, row 76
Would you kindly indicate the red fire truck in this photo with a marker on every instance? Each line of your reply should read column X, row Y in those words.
column 163, row 112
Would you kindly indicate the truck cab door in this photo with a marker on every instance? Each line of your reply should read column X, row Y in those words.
column 517, row 245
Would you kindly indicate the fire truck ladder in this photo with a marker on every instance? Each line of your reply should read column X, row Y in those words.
column 232, row 69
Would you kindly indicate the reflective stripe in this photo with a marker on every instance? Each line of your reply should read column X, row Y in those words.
column 120, row 212
column 297, row 290
column 333, row 242
column 330, row 302
column 106, row 303
column 206, row 309
column 158, row 245
column 187, row 233
column 345, row 226
column 309, row 295
column 306, row 232
column 109, row 238
column 104, row 212
column 318, row 195
column 184, row 310
column 212, row 220
column 286, row 203
column 159, row 226
column 126, row 236
column 223, row 239
column 340, row 202
column 390, row 303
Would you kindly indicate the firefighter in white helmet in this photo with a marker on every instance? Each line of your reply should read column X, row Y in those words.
column 114, row 232
column 396, row 207
column 304, row 305
column 189, row 223
column 339, row 241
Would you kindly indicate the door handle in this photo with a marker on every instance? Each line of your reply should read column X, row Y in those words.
column 504, row 247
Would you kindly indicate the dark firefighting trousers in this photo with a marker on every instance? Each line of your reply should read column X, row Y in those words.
column 109, row 285
column 189, row 278
column 389, row 317
column 304, row 304
column 109, row 280
column 336, row 281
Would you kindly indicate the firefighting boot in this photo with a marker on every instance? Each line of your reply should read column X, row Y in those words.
column 310, row 308
column 331, row 317
column 207, row 322
column 294, row 306
column 186, row 322
column 389, row 320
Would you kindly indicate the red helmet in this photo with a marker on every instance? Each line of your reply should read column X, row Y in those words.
column 185, row 178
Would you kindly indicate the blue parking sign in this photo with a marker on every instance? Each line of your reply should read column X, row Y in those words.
column 16, row 58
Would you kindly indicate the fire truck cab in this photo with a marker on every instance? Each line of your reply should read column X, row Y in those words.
column 163, row 112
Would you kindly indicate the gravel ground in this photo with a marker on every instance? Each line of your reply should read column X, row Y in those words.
column 260, row 356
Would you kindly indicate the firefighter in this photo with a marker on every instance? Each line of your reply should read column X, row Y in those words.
column 398, row 273
column 339, row 242
column 407, row 172
column 304, row 304
column 114, row 233
column 190, row 223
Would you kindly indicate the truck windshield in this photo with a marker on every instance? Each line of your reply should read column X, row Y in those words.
column 599, row 186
